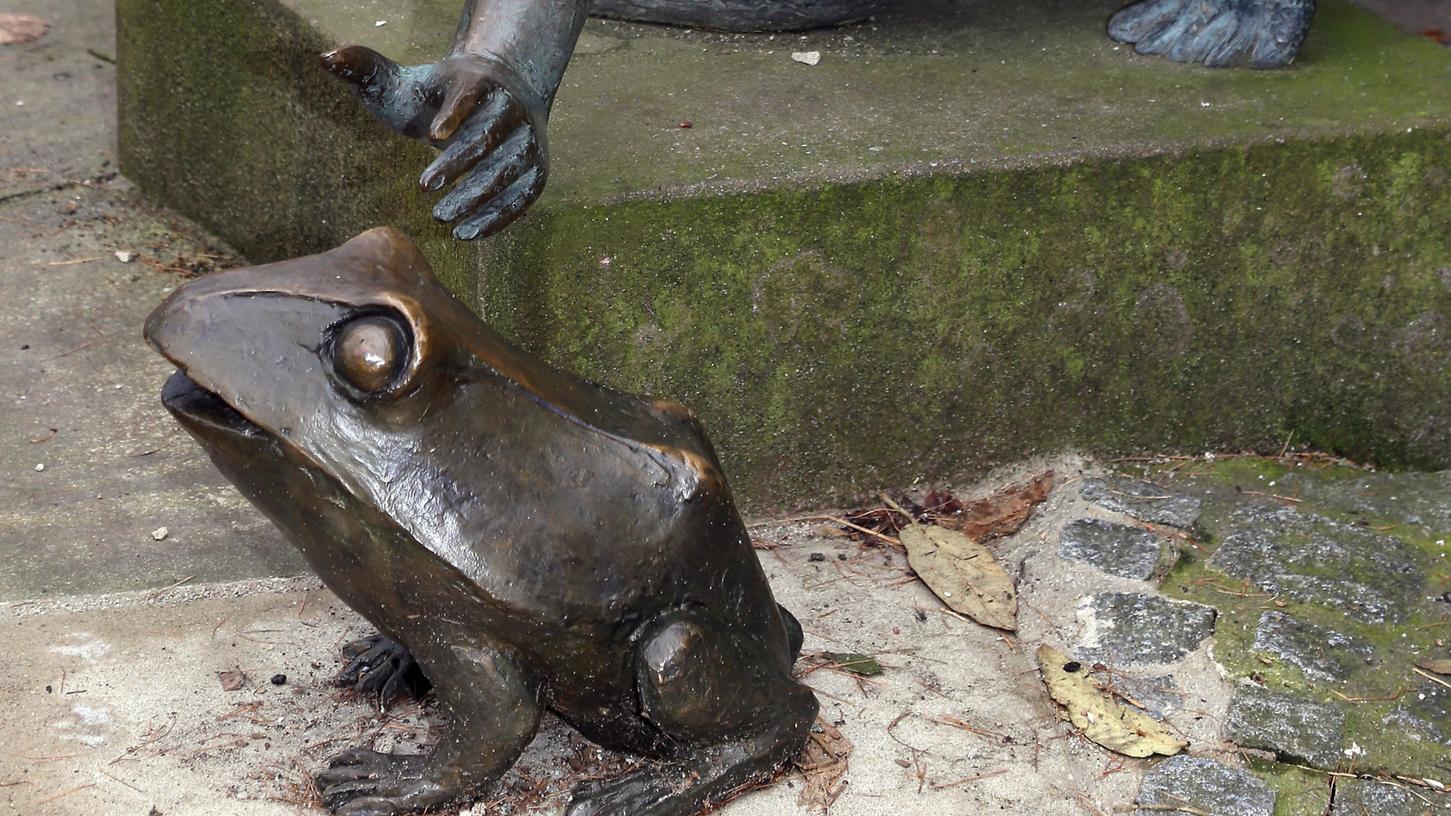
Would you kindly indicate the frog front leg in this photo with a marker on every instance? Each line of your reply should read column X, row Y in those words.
column 727, row 705
column 1218, row 33
column 381, row 666
column 492, row 707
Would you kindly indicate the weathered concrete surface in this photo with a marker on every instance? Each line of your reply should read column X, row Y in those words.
column 53, row 98
column 142, row 720
column 955, row 241
column 90, row 464
column 78, row 388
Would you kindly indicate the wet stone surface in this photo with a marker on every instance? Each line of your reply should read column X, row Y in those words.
column 1318, row 651
column 1365, row 797
column 1198, row 785
column 1371, row 577
column 1420, row 499
column 1290, row 727
column 1144, row 501
column 1426, row 712
column 1117, row 549
column 1131, row 628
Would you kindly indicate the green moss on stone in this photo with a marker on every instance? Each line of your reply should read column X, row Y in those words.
column 1374, row 689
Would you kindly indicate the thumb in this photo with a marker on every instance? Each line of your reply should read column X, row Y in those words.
column 371, row 72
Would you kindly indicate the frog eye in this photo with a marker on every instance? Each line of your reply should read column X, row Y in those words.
column 370, row 352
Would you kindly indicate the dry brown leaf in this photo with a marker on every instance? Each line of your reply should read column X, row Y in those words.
column 232, row 679
column 1435, row 666
column 1004, row 512
column 963, row 573
column 21, row 28
column 823, row 764
column 1098, row 715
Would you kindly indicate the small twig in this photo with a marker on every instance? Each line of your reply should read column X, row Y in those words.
column 1433, row 678
column 74, row 261
column 153, row 595
column 66, row 792
column 1275, row 496
column 1175, row 809
column 888, row 500
column 956, row 783
column 1398, row 695
column 124, row 782
column 964, row 726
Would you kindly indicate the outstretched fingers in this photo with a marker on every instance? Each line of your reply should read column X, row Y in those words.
column 479, row 135
column 488, row 177
column 504, row 208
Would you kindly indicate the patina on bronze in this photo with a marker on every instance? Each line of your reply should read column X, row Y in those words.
column 532, row 540
column 486, row 103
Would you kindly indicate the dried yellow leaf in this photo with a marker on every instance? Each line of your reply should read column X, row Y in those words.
column 963, row 573
column 1098, row 715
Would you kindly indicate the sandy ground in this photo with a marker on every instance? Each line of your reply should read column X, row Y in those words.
column 118, row 706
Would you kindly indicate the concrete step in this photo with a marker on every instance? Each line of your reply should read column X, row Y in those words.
column 974, row 230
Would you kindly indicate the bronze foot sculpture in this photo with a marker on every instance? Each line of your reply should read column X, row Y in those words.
column 1217, row 33
column 533, row 541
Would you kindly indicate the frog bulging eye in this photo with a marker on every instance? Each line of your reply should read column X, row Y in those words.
column 370, row 352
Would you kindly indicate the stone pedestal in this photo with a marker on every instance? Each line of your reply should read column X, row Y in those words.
column 967, row 234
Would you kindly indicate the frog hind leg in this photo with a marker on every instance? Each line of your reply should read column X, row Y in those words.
column 1217, row 33
column 492, row 706
column 730, row 714
column 381, row 666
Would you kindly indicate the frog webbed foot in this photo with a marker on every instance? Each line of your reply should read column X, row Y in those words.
column 359, row 782
column 378, row 665
column 641, row 793
column 1217, row 33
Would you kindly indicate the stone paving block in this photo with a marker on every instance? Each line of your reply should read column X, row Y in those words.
column 1292, row 728
column 1117, row 549
column 1318, row 651
column 1156, row 695
column 1130, row 628
column 1204, row 786
column 1143, row 500
column 1371, row 577
column 1425, row 710
column 1366, row 797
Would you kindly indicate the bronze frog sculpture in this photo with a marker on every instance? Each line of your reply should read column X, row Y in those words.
column 486, row 103
column 534, row 541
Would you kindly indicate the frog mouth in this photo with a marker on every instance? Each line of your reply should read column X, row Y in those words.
column 199, row 408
